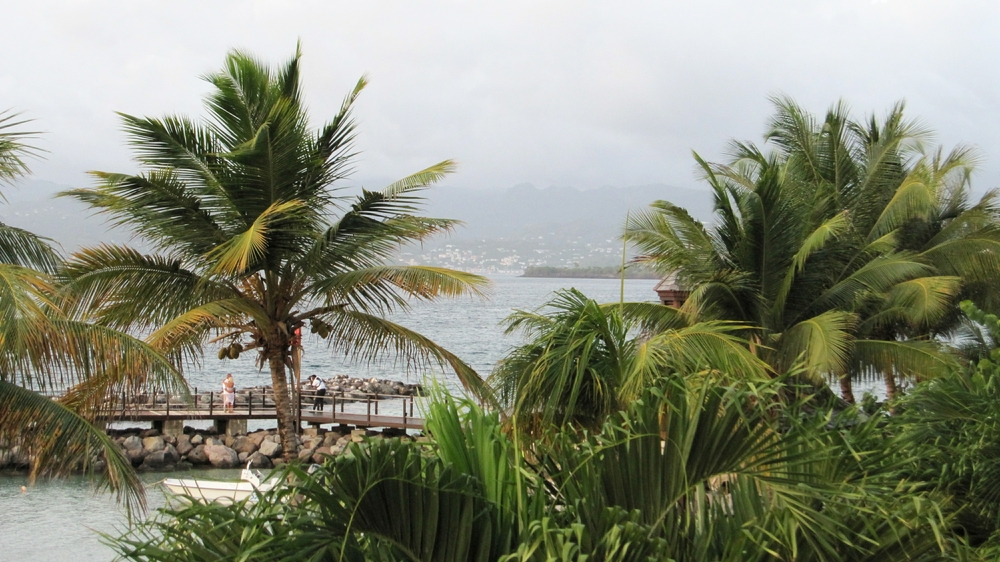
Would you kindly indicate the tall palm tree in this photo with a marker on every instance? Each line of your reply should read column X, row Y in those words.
column 814, row 243
column 44, row 350
column 253, row 241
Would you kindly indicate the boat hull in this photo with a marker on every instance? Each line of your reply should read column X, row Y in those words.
column 210, row 490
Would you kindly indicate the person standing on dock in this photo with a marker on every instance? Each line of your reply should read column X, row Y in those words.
column 319, row 385
column 229, row 393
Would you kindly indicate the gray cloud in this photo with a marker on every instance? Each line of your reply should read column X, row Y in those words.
column 563, row 92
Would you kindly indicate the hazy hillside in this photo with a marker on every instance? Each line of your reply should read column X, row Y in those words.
column 32, row 205
column 528, row 210
column 505, row 230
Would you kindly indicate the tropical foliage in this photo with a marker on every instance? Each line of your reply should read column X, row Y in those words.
column 44, row 349
column 251, row 240
column 844, row 246
column 948, row 430
column 688, row 473
column 584, row 362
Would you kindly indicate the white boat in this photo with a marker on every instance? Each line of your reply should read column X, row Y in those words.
column 221, row 491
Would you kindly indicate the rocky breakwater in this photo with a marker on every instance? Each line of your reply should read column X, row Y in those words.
column 359, row 388
column 149, row 451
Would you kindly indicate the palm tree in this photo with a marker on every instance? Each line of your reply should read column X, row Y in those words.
column 44, row 350
column 584, row 361
column 813, row 245
column 896, row 190
column 252, row 240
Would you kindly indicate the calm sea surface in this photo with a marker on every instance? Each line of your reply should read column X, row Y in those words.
column 61, row 519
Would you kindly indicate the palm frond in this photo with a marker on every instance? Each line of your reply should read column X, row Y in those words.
column 922, row 302
column 815, row 241
column 240, row 253
column 58, row 441
column 387, row 287
column 711, row 348
column 367, row 338
column 121, row 287
column 918, row 359
column 822, row 343
column 23, row 248
column 13, row 150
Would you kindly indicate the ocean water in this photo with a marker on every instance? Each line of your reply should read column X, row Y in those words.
column 62, row 519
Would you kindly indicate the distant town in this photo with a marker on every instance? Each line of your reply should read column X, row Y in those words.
column 515, row 257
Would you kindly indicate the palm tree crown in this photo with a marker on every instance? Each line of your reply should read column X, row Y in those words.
column 845, row 245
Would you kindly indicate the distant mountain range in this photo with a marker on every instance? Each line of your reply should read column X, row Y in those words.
column 525, row 210
column 505, row 230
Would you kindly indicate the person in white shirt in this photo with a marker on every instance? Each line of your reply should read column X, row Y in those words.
column 319, row 385
column 228, row 393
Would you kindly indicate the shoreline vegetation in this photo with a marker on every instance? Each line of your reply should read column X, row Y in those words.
column 595, row 272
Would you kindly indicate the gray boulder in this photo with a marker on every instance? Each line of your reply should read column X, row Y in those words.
column 257, row 437
column 19, row 456
column 321, row 454
column 132, row 442
column 257, row 460
column 184, row 445
column 153, row 443
column 221, row 456
column 197, row 455
column 134, row 450
column 172, row 453
column 270, row 449
column 243, row 444
column 164, row 459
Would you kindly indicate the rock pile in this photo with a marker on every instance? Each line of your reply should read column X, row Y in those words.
column 150, row 451
column 361, row 388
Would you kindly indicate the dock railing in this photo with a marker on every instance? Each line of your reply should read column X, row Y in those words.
column 378, row 410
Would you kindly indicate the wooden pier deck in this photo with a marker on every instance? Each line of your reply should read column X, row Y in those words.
column 260, row 406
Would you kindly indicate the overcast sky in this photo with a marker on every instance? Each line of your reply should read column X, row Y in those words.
column 553, row 93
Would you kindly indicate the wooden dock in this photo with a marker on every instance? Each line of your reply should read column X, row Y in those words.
column 160, row 408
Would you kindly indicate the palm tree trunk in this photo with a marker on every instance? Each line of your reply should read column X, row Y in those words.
column 847, row 388
column 891, row 390
column 283, row 408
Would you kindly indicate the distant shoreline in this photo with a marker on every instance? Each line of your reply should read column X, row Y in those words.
column 588, row 273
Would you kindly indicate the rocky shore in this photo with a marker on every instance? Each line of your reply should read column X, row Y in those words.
column 150, row 451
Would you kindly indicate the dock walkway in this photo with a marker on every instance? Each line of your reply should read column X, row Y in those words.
column 161, row 407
